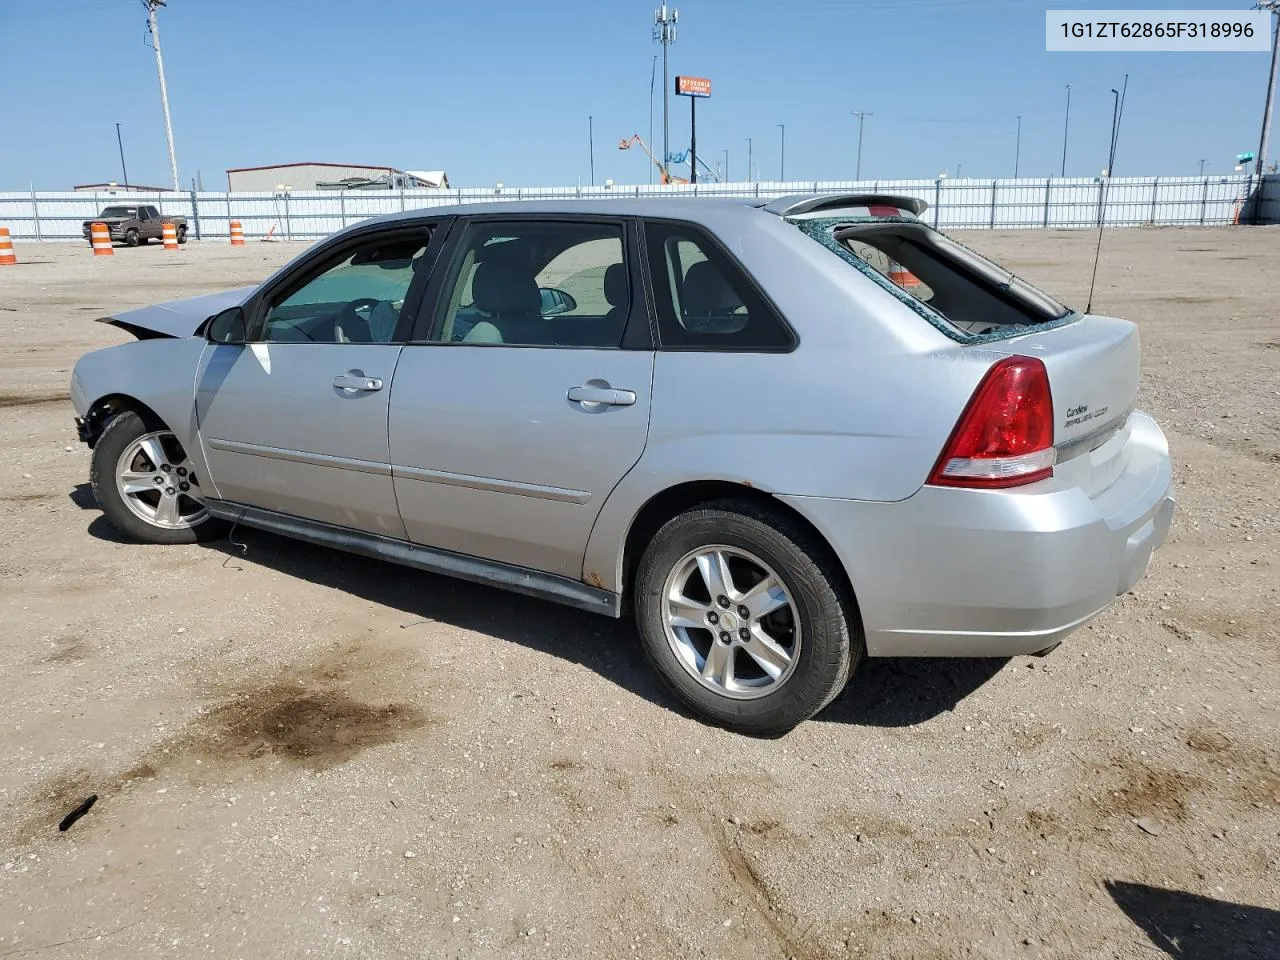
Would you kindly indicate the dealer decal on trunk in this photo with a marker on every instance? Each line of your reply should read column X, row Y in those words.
column 1082, row 414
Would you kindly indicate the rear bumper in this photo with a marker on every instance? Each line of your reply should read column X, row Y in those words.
column 950, row 572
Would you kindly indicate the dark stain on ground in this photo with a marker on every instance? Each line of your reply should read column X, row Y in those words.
column 31, row 399
column 1145, row 791
column 317, row 728
column 308, row 717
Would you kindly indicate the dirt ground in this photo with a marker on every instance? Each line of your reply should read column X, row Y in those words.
column 301, row 753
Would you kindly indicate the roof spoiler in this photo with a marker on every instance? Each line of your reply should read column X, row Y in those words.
column 798, row 203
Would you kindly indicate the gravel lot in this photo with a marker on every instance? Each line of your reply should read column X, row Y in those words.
column 302, row 753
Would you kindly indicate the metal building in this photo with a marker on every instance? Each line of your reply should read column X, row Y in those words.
column 311, row 175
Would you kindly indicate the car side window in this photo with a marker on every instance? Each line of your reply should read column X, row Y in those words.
column 536, row 283
column 356, row 299
column 704, row 299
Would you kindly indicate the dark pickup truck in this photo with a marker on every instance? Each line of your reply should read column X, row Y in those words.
column 133, row 224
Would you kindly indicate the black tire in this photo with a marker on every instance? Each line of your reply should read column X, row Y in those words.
column 132, row 237
column 832, row 643
column 120, row 431
column 182, row 234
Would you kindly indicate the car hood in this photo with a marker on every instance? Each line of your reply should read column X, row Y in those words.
column 177, row 318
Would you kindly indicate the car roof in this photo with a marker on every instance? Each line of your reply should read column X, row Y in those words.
column 704, row 210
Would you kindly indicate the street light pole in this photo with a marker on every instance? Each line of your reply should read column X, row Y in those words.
column 750, row 175
column 726, row 164
column 862, row 116
column 1066, row 123
column 591, row 146
column 782, row 160
column 123, row 168
column 1202, row 163
column 1017, row 148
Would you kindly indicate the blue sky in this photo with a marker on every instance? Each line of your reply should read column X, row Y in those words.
column 495, row 90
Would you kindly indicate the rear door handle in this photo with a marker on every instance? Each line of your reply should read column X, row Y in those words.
column 351, row 381
column 595, row 396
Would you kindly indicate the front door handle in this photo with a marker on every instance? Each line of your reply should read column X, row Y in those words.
column 357, row 381
column 592, row 395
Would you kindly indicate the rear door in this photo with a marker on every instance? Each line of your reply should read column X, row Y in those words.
column 527, row 397
column 295, row 421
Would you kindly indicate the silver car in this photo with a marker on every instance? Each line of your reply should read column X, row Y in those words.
column 784, row 435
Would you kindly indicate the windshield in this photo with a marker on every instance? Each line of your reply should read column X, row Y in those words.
column 120, row 212
column 959, row 291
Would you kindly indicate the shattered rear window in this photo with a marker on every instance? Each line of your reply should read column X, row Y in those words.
column 955, row 289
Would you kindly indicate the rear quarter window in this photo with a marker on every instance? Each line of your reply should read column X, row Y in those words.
column 704, row 298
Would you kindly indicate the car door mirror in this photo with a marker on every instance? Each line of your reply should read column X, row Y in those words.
column 555, row 301
column 227, row 326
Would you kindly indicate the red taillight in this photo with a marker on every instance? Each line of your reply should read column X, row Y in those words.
column 1005, row 435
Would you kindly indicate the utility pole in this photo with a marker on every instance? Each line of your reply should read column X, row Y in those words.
column 726, row 164
column 782, row 160
column 1202, row 163
column 664, row 31
column 1066, row 125
column 750, row 175
column 862, row 116
column 1264, row 141
column 123, row 168
column 164, row 90
column 1017, row 148
column 591, row 146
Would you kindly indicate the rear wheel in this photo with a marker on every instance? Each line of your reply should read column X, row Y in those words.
column 146, row 485
column 182, row 234
column 746, row 616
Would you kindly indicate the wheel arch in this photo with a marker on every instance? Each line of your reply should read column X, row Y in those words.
column 672, row 501
column 110, row 405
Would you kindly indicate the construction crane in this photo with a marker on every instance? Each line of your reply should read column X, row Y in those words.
column 663, row 176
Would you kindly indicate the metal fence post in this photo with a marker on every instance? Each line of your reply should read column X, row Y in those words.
column 1155, row 190
column 195, row 213
column 1102, row 199
column 35, row 214
column 1048, row 188
column 1204, row 201
column 402, row 197
column 228, row 213
column 342, row 208
column 288, row 221
column 937, row 200
column 994, row 186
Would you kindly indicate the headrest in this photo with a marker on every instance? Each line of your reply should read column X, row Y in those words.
column 505, row 288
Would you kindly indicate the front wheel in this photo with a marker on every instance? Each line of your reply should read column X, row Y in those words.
column 182, row 234
column 745, row 614
column 131, row 238
column 146, row 485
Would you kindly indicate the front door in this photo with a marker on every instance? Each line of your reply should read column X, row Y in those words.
column 529, row 400
column 296, row 420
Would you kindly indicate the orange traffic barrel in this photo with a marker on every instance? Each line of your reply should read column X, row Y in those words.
column 7, row 256
column 902, row 276
column 170, row 234
column 237, row 234
column 100, row 237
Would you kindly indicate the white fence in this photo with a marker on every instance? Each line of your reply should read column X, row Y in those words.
column 954, row 204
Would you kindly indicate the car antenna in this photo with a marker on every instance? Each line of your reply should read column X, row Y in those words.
column 1117, row 113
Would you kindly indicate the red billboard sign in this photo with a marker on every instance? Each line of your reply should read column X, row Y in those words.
column 693, row 87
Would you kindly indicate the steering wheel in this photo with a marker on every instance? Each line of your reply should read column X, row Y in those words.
column 349, row 321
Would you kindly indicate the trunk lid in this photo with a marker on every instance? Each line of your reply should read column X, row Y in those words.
column 1093, row 367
